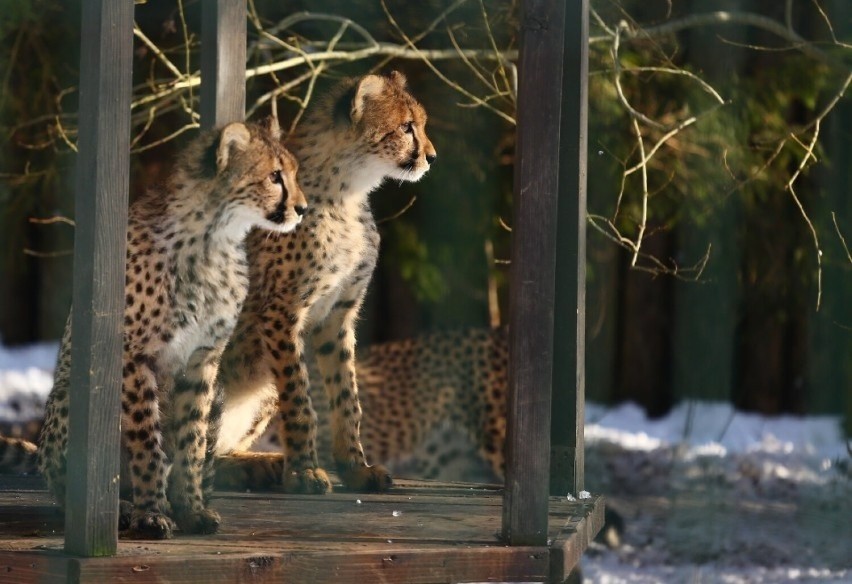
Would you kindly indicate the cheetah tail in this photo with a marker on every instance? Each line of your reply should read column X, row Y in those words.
column 18, row 456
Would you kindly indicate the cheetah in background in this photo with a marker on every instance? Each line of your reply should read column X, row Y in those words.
column 186, row 279
column 309, row 285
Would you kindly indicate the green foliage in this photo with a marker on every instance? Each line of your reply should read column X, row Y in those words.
column 411, row 256
column 15, row 14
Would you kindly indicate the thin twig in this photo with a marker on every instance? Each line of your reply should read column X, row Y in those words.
column 691, row 273
column 48, row 254
column 840, row 235
column 163, row 140
column 827, row 21
column 52, row 220
column 427, row 60
column 644, row 218
column 157, row 52
column 809, row 153
column 399, row 213
column 721, row 17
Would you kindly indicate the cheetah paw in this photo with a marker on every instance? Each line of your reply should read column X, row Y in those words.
column 374, row 478
column 125, row 514
column 255, row 473
column 150, row 525
column 201, row 521
column 313, row 481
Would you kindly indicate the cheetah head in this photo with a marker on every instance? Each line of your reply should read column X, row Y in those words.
column 391, row 123
column 261, row 175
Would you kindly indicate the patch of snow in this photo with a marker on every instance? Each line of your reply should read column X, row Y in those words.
column 26, row 376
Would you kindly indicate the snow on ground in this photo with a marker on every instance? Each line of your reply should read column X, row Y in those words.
column 707, row 494
column 26, row 376
column 713, row 495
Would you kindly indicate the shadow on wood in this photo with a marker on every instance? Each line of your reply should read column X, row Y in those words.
column 421, row 532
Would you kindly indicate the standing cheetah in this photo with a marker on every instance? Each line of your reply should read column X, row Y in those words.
column 309, row 284
column 186, row 279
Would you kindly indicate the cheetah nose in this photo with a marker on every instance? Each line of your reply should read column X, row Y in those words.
column 430, row 158
column 300, row 210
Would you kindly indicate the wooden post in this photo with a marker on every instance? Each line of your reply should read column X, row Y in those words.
column 569, row 343
column 223, row 62
column 103, row 170
column 532, row 279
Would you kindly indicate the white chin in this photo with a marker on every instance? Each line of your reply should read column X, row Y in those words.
column 286, row 227
column 409, row 175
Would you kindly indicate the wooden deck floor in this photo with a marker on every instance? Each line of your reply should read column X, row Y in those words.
column 421, row 532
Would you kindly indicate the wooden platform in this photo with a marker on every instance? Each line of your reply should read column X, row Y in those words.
column 422, row 532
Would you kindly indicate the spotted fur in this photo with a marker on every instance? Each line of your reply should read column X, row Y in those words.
column 434, row 407
column 308, row 286
column 186, row 279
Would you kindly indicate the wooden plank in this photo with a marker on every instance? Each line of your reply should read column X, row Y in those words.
column 418, row 566
column 103, row 170
column 223, row 62
column 574, row 538
column 29, row 567
column 274, row 537
column 569, row 342
column 409, row 566
column 532, row 278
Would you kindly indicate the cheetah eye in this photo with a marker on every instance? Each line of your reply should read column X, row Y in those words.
column 408, row 127
column 275, row 176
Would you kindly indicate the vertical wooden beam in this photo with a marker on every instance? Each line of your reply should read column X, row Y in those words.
column 223, row 62
column 569, row 343
column 102, row 185
column 532, row 278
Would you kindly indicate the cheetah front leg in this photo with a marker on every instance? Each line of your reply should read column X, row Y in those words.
column 193, row 396
column 334, row 347
column 297, row 420
column 142, row 436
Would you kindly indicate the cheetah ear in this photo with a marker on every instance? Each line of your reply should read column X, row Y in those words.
column 270, row 124
column 398, row 79
column 368, row 87
column 233, row 135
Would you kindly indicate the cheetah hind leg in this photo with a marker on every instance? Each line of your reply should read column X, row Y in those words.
column 255, row 471
column 362, row 478
column 264, row 471
column 312, row 481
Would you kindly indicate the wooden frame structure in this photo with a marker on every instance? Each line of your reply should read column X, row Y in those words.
column 546, row 533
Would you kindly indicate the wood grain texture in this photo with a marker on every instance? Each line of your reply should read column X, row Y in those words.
column 98, row 292
column 223, row 62
column 576, row 534
column 569, row 337
column 442, row 532
column 532, row 277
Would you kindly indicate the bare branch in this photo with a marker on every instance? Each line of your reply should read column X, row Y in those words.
column 48, row 254
column 722, row 17
column 399, row 213
column 654, row 266
column 428, row 61
column 842, row 239
column 643, row 221
column 53, row 220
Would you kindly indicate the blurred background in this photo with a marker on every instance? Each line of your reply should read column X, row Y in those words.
column 717, row 270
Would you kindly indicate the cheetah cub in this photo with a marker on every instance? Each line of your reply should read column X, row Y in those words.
column 309, row 285
column 186, row 279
